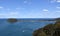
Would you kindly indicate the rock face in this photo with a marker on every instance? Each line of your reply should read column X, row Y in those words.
column 39, row 32
column 12, row 20
column 49, row 30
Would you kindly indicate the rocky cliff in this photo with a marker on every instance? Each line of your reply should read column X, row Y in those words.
column 49, row 30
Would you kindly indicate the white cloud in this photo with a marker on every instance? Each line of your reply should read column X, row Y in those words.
column 53, row 1
column 2, row 14
column 10, row 14
column 50, row 15
column 57, row 11
column 1, row 7
column 13, row 13
column 58, row 1
column 28, row 2
column 45, row 10
column 25, row 1
column 58, row 7
column 42, row 14
column 33, row 14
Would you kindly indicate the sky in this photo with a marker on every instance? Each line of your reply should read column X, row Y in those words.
column 29, row 8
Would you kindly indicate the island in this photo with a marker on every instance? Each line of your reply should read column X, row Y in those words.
column 12, row 20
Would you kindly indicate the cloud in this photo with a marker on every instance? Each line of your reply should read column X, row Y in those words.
column 6, row 14
column 29, row 2
column 13, row 13
column 49, row 14
column 1, row 7
column 45, row 10
column 31, row 15
column 25, row 1
column 58, row 1
column 42, row 14
column 53, row 1
column 57, row 11
column 10, row 14
column 58, row 7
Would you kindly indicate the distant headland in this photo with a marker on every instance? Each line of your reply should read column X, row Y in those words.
column 49, row 30
column 13, row 20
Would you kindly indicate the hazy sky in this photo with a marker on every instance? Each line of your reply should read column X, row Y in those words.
column 29, row 8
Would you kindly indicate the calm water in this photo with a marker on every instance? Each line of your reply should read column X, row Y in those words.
column 20, row 28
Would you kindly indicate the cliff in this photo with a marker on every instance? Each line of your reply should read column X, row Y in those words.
column 49, row 30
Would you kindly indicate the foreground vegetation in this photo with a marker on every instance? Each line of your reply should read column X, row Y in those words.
column 49, row 30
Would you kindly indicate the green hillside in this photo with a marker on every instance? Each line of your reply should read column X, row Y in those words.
column 49, row 30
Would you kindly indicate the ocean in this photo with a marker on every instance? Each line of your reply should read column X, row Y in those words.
column 21, row 28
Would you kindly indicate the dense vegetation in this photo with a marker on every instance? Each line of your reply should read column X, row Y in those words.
column 12, row 20
column 49, row 30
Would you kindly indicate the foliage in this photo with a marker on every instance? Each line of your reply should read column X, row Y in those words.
column 48, row 29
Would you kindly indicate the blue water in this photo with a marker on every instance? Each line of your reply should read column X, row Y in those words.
column 20, row 28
